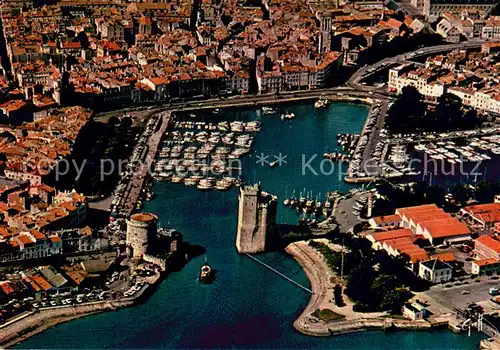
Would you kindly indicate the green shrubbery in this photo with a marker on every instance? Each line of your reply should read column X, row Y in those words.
column 375, row 281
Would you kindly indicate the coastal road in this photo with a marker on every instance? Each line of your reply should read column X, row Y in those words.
column 248, row 100
column 409, row 9
column 355, row 81
column 140, row 173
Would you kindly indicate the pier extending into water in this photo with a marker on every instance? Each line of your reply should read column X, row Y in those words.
column 141, row 171
column 279, row 273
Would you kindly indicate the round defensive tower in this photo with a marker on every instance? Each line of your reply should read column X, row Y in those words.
column 141, row 231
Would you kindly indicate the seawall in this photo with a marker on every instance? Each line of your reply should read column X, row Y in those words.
column 322, row 287
column 273, row 100
column 34, row 322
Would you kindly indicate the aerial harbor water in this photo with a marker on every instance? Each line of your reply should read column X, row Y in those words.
column 247, row 305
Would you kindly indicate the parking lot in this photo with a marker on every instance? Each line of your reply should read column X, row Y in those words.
column 117, row 285
column 459, row 294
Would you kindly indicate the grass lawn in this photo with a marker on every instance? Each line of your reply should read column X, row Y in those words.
column 328, row 315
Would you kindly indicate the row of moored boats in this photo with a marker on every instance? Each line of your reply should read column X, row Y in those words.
column 307, row 204
column 202, row 154
column 449, row 151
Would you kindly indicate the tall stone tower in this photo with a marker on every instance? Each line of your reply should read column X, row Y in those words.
column 141, row 232
column 325, row 40
column 256, row 219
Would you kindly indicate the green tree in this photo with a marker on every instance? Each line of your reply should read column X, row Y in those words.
column 406, row 114
column 495, row 11
column 389, row 292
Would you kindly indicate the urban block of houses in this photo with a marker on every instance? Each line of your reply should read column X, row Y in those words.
column 31, row 218
column 435, row 271
column 432, row 9
column 468, row 75
column 483, row 215
column 469, row 26
column 427, row 222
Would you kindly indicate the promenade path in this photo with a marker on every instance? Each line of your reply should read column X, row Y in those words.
column 323, row 282
column 141, row 171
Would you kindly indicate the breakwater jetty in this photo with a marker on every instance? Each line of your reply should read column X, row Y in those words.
column 361, row 168
column 34, row 322
column 322, row 285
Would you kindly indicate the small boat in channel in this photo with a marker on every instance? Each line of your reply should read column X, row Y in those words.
column 320, row 104
column 268, row 110
column 206, row 273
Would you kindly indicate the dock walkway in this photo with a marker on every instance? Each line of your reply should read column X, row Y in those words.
column 141, row 171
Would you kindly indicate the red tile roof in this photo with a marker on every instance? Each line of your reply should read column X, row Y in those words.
column 445, row 257
column 447, row 228
column 7, row 287
column 486, row 262
column 42, row 282
column 393, row 234
column 55, row 239
column 387, row 219
column 489, row 242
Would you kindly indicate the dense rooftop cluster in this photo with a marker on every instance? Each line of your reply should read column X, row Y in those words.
column 469, row 24
column 30, row 215
column 32, row 150
column 122, row 53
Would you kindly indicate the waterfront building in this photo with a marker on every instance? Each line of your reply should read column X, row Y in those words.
column 435, row 271
column 141, row 231
column 434, row 224
column 406, row 75
column 415, row 311
column 386, row 221
column 37, row 282
column 483, row 266
column 399, row 242
column 425, row 221
column 53, row 276
column 458, row 73
column 487, row 247
column 256, row 219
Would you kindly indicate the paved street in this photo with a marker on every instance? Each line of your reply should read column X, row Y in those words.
column 453, row 297
column 344, row 212
column 355, row 81
column 409, row 8
column 367, row 162
column 246, row 100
